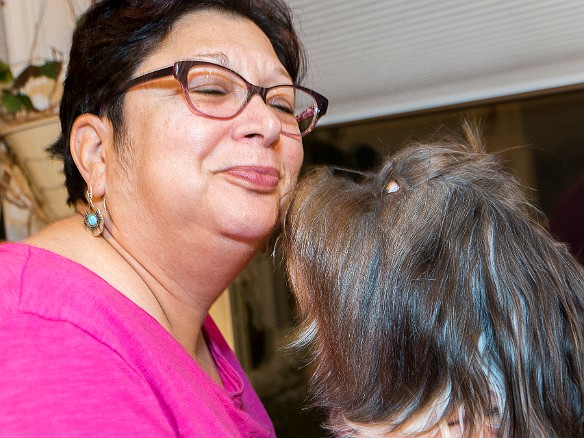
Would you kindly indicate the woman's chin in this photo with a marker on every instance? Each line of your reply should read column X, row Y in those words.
column 252, row 229
column 249, row 221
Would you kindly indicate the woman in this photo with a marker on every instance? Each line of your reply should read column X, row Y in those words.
column 433, row 303
column 105, row 327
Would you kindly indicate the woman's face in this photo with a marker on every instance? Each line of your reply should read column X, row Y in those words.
column 188, row 175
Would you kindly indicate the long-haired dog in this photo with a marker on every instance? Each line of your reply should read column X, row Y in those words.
column 433, row 302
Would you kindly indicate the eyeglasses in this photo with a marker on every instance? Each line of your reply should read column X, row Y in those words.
column 217, row 92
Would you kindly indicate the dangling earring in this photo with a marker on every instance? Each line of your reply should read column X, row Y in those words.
column 105, row 206
column 92, row 219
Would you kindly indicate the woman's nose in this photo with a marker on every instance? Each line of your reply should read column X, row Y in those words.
column 258, row 120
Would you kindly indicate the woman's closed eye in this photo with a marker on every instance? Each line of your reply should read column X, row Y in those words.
column 210, row 90
column 210, row 84
column 282, row 104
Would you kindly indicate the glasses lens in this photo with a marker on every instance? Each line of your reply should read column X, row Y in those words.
column 295, row 108
column 215, row 92
column 306, row 110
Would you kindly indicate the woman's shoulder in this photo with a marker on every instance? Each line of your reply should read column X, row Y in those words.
column 64, row 237
column 21, row 262
column 44, row 285
column 13, row 256
column 46, row 370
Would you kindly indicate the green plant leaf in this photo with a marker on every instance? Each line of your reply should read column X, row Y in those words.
column 51, row 69
column 5, row 73
column 16, row 102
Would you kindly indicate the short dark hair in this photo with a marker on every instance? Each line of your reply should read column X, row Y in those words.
column 446, row 291
column 114, row 36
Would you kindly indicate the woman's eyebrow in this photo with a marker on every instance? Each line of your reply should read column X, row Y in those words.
column 217, row 57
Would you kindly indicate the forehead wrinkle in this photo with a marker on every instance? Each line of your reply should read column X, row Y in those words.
column 223, row 60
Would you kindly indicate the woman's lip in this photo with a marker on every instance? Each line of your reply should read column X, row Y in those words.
column 259, row 177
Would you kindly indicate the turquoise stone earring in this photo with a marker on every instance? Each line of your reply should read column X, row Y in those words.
column 92, row 219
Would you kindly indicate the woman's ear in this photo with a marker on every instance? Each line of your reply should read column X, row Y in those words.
column 91, row 138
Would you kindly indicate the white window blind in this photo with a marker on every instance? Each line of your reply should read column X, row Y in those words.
column 381, row 57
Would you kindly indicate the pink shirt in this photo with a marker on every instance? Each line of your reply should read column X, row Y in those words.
column 77, row 358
